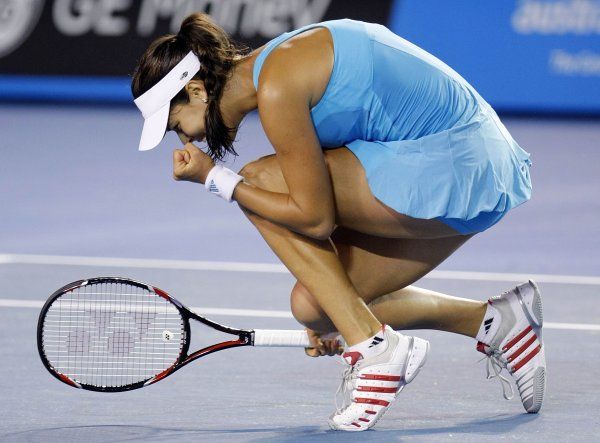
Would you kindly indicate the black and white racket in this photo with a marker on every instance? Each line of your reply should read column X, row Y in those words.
column 115, row 334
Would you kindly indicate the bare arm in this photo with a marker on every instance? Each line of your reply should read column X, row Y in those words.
column 284, row 109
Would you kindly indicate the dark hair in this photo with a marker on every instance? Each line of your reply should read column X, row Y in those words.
column 217, row 54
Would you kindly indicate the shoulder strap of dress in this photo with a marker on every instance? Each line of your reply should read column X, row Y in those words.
column 273, row 44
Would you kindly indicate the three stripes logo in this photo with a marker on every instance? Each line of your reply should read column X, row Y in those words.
column 213, row 188
column 487, row 324
column 376, row 341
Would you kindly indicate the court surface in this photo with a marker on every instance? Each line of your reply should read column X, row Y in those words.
column 79, row 201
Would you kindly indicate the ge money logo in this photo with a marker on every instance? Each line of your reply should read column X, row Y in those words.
column 17, row 20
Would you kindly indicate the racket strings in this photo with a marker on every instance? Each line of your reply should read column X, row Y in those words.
column 112, row 334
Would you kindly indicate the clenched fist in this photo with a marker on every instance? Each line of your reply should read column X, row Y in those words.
column 191, row 164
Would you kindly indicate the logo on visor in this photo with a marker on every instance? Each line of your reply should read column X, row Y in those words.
column 17, row 20
column 184, row 75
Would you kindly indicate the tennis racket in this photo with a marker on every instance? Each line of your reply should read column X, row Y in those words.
column 113, row 334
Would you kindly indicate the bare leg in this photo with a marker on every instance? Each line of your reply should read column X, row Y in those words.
column 315, row 264
column 382, row 270
column 417, row 308
column 407, row 308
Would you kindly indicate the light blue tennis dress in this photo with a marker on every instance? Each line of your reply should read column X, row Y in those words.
column 430, row 145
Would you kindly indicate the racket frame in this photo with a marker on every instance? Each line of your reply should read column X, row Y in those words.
column 244, row 337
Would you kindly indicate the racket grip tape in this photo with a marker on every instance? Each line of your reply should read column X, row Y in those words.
column 280, row 337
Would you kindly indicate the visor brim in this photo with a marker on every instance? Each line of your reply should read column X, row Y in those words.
column 154, row 129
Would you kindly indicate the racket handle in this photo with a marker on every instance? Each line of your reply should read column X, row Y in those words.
column 280, row 337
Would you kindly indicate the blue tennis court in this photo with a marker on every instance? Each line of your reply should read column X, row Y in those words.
column 79, row 201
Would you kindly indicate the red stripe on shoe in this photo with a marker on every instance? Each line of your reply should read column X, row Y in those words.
column 356, row 424
column 481, row 347
column 377, row 389
column 370, row 412
column 526, row 359
column 364, row 419
column 518, row 338
column 522, row 348
column 371, row 401
column 381, row 377
column 352, row 357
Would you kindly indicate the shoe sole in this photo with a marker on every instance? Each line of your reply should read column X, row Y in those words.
column 416, row 358
column 536, row 318
column 534, row 314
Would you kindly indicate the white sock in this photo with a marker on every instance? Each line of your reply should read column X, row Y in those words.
column 489, row 325
column 370, row 347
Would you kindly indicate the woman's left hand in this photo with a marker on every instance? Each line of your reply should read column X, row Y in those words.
column 327, row 344
column 191, row 164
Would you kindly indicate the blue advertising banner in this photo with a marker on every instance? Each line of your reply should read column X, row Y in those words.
column 524, row 55
column 521, row 55
column 84, row 50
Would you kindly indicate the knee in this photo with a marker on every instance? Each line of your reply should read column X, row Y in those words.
column 264, row 173
column 307, row 311
column 304, row 307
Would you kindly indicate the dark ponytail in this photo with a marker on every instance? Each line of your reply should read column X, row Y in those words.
column 217, row 54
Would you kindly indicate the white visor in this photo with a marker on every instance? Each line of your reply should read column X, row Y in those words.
column 155, row 103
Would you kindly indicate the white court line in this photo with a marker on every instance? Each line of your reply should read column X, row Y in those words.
column 257, row 313
column 573, row 326
column 271, row 268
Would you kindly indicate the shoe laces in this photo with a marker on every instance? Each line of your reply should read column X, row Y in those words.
column 494, row 365
column 345, row 388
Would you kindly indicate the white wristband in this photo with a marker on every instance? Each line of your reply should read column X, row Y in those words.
column 222, row 181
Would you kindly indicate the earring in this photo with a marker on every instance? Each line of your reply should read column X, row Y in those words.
column 204, row 100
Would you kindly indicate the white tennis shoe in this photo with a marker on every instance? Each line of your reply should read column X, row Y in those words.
column 517, row 345
column 371, row 385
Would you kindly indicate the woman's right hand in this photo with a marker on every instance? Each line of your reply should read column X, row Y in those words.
column 323, row 344
column 191, row 164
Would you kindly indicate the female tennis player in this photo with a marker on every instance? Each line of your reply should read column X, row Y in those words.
column 386, row 161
